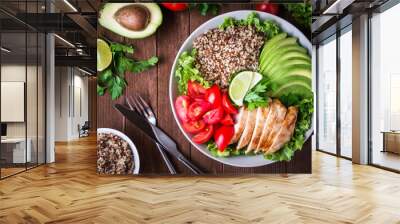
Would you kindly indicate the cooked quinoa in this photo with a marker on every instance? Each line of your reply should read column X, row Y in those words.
column 114, row 155
column 222, row 53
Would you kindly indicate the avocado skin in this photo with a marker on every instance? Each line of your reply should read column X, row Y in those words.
column 108, row 21
column 299, row 70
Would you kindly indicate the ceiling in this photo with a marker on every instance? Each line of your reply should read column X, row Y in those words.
column 75, row 21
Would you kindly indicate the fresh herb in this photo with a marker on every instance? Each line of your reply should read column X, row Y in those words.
column 257, row 96
column 187, row 71
column 303, row 124
column 113, row 79
column 204, row 8
column 269, row 28
column 301, row 13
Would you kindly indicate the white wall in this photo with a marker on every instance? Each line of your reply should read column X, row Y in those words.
column 70, row 83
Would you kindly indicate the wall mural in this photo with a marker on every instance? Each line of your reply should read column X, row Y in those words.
column 204, row 88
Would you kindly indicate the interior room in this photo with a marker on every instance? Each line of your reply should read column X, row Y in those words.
column 52, row 106
column 338, row 52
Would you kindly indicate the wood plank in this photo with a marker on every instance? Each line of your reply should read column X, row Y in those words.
column 145, row 85
column 170, row 36
column 106, row 116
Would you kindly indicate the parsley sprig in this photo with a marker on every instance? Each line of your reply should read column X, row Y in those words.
column 113, row 79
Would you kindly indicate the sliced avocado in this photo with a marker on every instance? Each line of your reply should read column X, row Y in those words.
column 302, row 70
column 278, row 45
column 287, row 63
column 284, row 52
column 285, row 57
column 292, row 78
column 296, row 87
column 132, row 20
column 270, row 43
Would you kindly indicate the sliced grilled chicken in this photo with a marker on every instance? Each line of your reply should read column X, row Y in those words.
column 286, row 131
column 240, row 122
column 262, row 114
column 248, row 129
column 269, row 124
column 281, row 114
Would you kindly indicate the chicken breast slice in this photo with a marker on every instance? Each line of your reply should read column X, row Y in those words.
column 281, row 114
column 248, row 129
column 267, row 126
column 240, row 122
column 286, row 131
column 276, row 124
column 262, row 115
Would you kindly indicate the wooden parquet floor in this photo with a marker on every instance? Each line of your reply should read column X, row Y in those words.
column 70, row 191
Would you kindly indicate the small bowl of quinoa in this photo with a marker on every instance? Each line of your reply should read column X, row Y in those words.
column 116, row 153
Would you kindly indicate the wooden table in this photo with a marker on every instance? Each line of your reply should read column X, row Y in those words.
column 153, row 86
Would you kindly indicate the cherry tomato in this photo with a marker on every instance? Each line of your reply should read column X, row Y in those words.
column 196, row 90
column 194, row 127
column 204, row 135
column 223, row 136
column 227, row 104
column 227, row 120
column 181, row 107
column 197, row 109
column 213, row 96
column 214, row 116
column 176, row 7
column 268, row 7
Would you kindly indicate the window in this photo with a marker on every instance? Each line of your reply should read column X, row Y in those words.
column 385, row 89
column 346, row 92
column 327, row 96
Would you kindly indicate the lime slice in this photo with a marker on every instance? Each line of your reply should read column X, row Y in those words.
column 104, row 55
column 256, row 78
column 239, row 86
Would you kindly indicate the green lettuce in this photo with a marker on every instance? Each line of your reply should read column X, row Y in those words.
column 269, row 28
column 187, row 71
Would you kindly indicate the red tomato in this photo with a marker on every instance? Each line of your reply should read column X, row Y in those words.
column 223, row 136
column 227, row 120
column 197, row 109
column 227, row 104
column 194, row 127
column 214, row 116
column 204, row 136
column 181, row 107
column 268, row 7
column 213, row 96
column 175, row 6
column 196, row 90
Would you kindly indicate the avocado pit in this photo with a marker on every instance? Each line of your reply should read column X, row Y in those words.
column 133, row 17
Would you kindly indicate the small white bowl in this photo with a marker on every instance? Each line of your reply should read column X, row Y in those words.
column 130, row 143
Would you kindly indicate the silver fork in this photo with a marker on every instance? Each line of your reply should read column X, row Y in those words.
column 143, row 108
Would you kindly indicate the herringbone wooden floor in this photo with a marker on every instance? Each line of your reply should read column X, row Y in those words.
column 70, row 191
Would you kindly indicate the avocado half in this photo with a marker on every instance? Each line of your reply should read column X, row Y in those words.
column 132, row 20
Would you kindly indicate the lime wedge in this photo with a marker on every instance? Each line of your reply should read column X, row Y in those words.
column 104, row 55
column 256, row 78
column 239, row 86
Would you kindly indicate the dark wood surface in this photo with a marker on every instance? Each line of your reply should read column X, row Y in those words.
column 153, row 86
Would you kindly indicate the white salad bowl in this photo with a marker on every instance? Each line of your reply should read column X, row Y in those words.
column 135, row 153
column 238, row 161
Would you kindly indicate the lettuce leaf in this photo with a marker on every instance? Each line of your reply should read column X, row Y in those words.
column 187, row 71
column 268, row 27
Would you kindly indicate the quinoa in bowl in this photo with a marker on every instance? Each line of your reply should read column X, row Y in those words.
column 223, row 52
column 114, row 155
